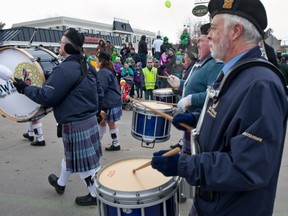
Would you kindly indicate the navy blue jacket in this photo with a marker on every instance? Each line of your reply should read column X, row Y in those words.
column 241, row 142
column 110, row 86
column 69, row 104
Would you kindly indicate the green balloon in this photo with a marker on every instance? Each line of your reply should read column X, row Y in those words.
column 168, row 4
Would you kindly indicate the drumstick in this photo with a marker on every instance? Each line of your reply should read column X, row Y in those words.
column 169, row 153
column 164, row 115
column 161, row 102
column 164, row 77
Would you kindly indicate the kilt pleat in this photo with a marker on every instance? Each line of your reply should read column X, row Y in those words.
column 82, row 145
column 113, row 114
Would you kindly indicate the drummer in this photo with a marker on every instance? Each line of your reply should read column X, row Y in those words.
column 74, row 92
column 202, row 74
column 242, row 132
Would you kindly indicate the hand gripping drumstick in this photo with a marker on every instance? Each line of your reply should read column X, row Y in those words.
column 164, row 115
column 169, row 153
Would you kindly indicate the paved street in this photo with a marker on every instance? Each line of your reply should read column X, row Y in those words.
column 24, row 189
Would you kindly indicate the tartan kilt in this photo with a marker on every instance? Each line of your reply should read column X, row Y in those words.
column 113, row 114
column 82, row 147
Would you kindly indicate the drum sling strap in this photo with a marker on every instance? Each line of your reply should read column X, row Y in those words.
column 244, row 64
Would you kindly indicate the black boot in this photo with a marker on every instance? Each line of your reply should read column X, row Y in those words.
column 53, row 181
column 86, row 200
column 113, row 148
column 38, row 143
column 179, row 144
column 30, row 138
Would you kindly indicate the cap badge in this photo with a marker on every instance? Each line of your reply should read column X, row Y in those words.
column 228, row 4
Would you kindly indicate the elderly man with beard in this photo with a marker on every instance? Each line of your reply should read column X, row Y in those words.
column 242, row 126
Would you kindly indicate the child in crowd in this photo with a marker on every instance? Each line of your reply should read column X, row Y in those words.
column 118, row 67
column 126, row 70
column 125, row 89
column 93, row 60
column 114, row 54
column 178, row 68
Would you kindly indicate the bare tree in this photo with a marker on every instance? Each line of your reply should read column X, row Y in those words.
column 2, row 25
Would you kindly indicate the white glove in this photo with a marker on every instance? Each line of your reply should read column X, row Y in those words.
column 184, row 103
column 174, row 81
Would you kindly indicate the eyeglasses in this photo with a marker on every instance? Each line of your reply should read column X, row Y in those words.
column 149, row 62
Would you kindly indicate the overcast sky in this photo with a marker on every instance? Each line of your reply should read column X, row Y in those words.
column 151, row 15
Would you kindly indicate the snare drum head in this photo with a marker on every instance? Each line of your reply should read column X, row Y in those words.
column 153, row 105
column 13, row 105
column 119, row 176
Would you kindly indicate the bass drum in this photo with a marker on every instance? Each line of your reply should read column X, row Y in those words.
column 32, row 65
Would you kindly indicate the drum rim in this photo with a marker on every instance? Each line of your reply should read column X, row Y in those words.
column 131, row 199
column 161, row 92
column 154, row 200
column 136, row 106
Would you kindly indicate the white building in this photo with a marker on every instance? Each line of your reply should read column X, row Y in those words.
column 120, row 27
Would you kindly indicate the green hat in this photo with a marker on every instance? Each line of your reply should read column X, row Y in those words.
column 178, row 53
column 165, row 38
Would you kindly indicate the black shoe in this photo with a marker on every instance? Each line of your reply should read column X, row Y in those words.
column 53, row 181
column 175, row 146
column 113, row 148
column 179, row 144
column 30, row 138
column 38, row 143
column 86, row 200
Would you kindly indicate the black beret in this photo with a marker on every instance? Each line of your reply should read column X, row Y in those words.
column 172, row 49
column 252, row 10
column 205, row 28
column 104, row 55
column 191, row 55
column 77, row 39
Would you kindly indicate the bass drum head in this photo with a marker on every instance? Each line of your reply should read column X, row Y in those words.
column 15, row 106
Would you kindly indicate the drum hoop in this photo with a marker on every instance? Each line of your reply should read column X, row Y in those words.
column 168, row 92
column 41, row 75
column 136, row 106
column 129, row 204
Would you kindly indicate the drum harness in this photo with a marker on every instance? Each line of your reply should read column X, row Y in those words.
column 214, row 92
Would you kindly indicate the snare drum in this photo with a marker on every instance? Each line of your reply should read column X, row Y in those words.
column 143, row 193
column 148, row 126
column 164, row 95
column 31, row 65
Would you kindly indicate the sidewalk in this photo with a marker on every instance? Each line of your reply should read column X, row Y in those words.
column 25, row 191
